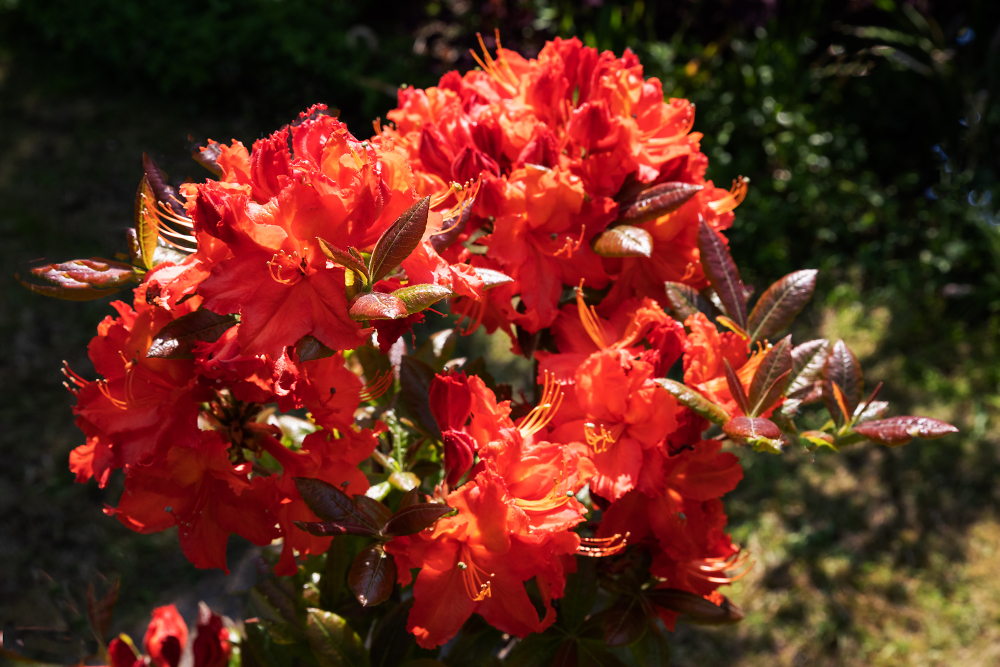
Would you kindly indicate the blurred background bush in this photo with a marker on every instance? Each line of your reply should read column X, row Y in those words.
column 869, row 129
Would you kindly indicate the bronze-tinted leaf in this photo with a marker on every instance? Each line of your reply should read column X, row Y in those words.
column 420, row 297
column 897, row 431
column 736, row 388
column 695, row 608
column 329, row 503
column 808, row 360
column 842, row 368
column 336, row 528
column 208, row 156
column 344, row 258
column 81, row 279
column 413, row 519
column 745, row 428
column 625, row 622
column 452, row 228
column 310, row 349
column 402, row 237
column 870, row 411
column 721, row 271
column 624, row 241
column 161, row 188
column 333, row 642
column 683, row 300
column 372, row 576
column 657, row 201
column 99, row 612
column 692, row 399
column 779, row 305
column 410, row 498
column 777, row 362
column 375, row 512
column 378, row 306
column 492, row 278
column 178, row 339
column 147, row 223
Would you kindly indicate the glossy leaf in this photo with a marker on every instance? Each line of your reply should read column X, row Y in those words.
column 378, row 306
column 820, row 439
column 178, row 339
column 147, row 223
column 744, row 428
column 310, row 349
column 404, row 481
column 870, row 411
column 625, row 622
column 777, row 363
column 842, row 368
column 657, row 201
column 162, row 190
column 420, row 297
column 410, row 498
column 694, row 607
column 779, row 305
column 692, row 399
column 736, row 388
column 721, row 271
column 402, row 237
column 374, row 511
column 452, row 228
column 208, row 157
column 100, row 612
column 897, row 431
column 261, row 649
column 372, row 576
column 333, row 642
column 808, row 360
column 413, row 519
column 344, row 258
column 492, row 278
column 415, row 379
column 683, row 300
column 624, row 241
column 336, row 528
column 329, row 503
column 81, row 279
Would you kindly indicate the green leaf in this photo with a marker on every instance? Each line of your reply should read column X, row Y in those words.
column 764, row 387
column 421, row 297
column 657, row 201
column 262, row 648
column 779, row 305
column 403, row 481
column 345, row 258
column 178, row 339
column 623, row 241
column 147, row 223
column 438, row 349
column 82, row 279
column 378, row 306
column 692, row 399
column 402, row 237
column 580, row 593
column 332, row 640
column 721, row 271
column 415, row 518
column 537, row 650
column 372, row 576
column 652, row 650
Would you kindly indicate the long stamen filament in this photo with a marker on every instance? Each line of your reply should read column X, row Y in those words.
column 541, row 414
column 591, row 322
column 598, row 547
column 377, row 387
column 474, row 578
column 735, row 197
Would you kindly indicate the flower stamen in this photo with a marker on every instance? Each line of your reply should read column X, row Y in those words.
column 599, row 547
column 591, row 322
column 474, row 578
column 541, row 414
column 735, row 197
column 377, row 387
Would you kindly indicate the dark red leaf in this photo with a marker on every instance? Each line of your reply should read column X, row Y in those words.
column 736, row 388
column 329, row 503
column 683, row 300
column 897, row 431
column 695, row 607
column 410, row 498
column 178, row 339
column 421, row 297
column 81, row 279
column 453, row 227
column 336, row 528
column 378, row 306
column 208, row 157
column 744, row 428
column 99, row 612
column 808, row 360
column 375, row 512
column 625, row 622
column 344, row 258
column 657, row 201
column 777, row 362
column 402, row 237
column 721, row 271
column 413, row 519
column 779, row 305
column 310, row 349
column 842, row 368
column 162, row 190
column 773, row 393
column 372, row 576
column 624, row 241
column 692, row 399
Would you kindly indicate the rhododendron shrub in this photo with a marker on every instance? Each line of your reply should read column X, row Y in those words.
column 264, row 379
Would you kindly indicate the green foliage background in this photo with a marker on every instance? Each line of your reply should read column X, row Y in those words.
column 869, row 131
